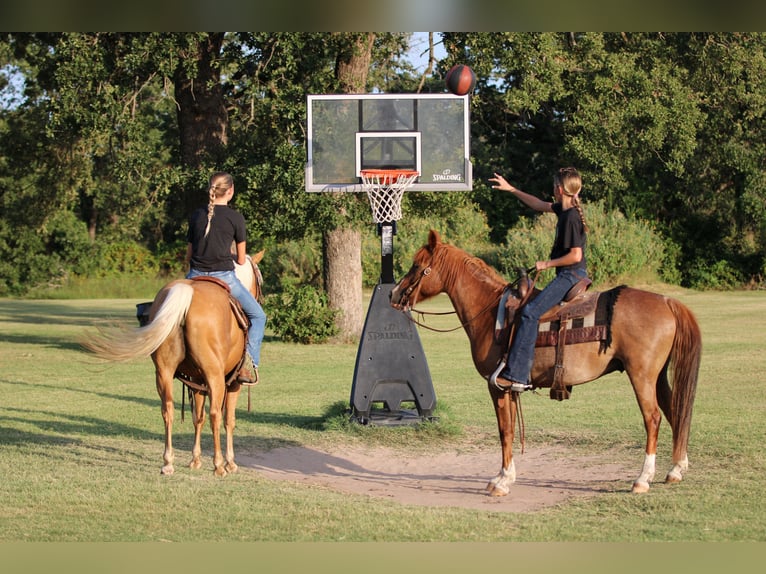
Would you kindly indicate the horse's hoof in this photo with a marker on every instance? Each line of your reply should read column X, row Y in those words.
column 672, row 478
column 195, row 464
column 167, row 469
column 220, row 472
column 494, row 490
column 231, row 467
column 640, row 487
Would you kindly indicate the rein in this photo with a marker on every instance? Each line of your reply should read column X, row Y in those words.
column 463, row 324
column 427, row 271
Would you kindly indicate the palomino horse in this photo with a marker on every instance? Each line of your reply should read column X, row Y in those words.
column 650, row 335
column 193, row 333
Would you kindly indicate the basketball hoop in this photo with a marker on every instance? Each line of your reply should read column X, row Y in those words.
column 385, row 188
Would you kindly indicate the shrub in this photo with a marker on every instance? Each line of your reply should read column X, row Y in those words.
column 120, row 257
column 293, row 263
column 300, row 314
column 720, row 274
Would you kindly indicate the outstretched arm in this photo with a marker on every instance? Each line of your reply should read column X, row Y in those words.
column 529, row 200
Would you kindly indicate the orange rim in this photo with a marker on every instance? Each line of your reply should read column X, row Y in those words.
column 389, row 175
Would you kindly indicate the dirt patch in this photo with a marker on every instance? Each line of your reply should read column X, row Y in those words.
column 545, row 477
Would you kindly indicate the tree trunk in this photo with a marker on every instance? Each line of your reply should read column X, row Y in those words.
column 342, row 248
column 202, row 117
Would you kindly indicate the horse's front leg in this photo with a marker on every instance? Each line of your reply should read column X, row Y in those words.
column 230, row 422
column 198, row 414
column 505, row 410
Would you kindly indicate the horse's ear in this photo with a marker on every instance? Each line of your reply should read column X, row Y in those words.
column 433, row 239
column 258, row 256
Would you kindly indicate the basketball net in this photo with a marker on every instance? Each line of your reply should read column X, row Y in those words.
column 385, row 188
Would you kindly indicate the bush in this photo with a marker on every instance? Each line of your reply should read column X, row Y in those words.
column 293, row 263
column 122, row 257
column 713, row 275
column 300, row 314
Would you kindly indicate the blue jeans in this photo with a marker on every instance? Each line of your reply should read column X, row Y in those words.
column 250, row 306
column 519, row 364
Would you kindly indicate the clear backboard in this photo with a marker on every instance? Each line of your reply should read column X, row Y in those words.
column 348, row 133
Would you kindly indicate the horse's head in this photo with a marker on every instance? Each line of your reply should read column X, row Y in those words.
column 250, row 274
column 420, row 282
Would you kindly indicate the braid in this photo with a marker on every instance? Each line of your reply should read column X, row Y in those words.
column 210, row 209
column 578, row 206
column 220, row 182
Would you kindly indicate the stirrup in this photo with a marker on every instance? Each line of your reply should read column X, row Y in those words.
column 493, row 376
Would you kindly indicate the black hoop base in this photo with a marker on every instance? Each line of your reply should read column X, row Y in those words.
column 391, row 369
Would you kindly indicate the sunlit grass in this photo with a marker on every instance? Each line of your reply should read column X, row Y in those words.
column 81, row 442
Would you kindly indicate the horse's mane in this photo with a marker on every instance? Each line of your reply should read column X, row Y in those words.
column 453, row 259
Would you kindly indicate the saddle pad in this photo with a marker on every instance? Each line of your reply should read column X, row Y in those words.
column 594, row 325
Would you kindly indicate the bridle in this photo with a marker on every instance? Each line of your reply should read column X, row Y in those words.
column 415, row 287
column 406, row 296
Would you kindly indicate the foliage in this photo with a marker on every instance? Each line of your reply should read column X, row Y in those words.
column 667, row 128
column 462, row 224
column 300, row 314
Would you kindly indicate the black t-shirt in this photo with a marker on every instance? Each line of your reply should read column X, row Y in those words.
column 213, row 253
column 570, row 232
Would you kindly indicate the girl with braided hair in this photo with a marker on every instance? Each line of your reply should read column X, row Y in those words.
column 212, row 231
column 567, row 257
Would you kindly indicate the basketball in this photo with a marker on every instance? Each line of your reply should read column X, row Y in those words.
column 460, row 80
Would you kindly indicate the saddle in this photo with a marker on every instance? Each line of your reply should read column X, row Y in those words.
column 581, row 317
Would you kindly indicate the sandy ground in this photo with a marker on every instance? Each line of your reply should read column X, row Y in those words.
column 545, row 476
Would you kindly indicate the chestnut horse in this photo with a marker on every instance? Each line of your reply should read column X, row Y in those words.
column 650, row 336
column 194, row 334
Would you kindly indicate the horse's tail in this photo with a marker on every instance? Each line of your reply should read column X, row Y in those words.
column 125, row 344
column 685, row 362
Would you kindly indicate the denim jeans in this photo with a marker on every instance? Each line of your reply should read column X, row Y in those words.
column 250, row 306
column 519, row 364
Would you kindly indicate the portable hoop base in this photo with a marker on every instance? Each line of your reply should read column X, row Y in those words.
column 392, row 382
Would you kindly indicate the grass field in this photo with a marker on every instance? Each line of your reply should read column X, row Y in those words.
column 81, row 443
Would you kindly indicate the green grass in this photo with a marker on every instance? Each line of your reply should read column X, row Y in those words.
column 81, row 443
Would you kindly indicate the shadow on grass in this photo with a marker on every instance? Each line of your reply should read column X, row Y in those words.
column 60, row 342
column 53, row 313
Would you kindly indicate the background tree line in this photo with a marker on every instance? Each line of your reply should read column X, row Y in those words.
column 107, row 140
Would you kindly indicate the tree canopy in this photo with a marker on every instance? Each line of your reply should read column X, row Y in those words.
column 114, row 134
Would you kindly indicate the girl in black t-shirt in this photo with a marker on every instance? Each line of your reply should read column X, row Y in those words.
column 213, row 229
column 567, row 257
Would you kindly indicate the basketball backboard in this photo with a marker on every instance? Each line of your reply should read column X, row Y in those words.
column 428, row 133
